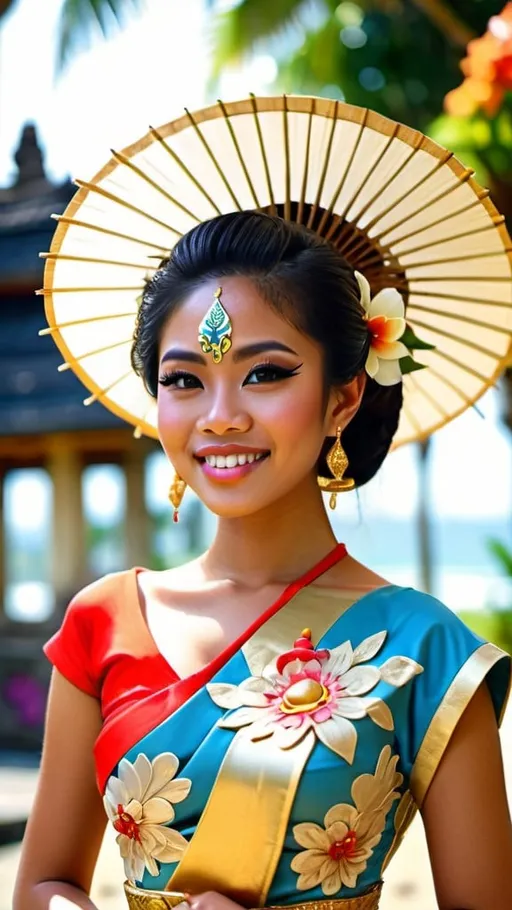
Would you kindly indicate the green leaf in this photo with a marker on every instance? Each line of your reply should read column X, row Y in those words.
column 502, row 553
column 411, row 341
column 82, row 20
column 237, row 32
column 408, row 365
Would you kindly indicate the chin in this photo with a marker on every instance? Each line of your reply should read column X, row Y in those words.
column 233, row 510
column 235, row 507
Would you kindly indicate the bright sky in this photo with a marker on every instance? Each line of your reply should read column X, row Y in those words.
column 109, row 95
column 145, row 75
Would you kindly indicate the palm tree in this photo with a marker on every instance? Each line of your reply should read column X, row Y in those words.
column 252, row 21
column 399, row 57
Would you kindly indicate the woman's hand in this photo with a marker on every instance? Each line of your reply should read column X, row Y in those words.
column 211, row 900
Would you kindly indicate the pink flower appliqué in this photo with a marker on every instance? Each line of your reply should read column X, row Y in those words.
column 323, row 691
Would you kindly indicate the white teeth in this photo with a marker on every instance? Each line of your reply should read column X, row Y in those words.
column 232, row 461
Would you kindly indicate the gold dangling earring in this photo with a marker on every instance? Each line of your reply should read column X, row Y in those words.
column 337, row 462
column 176, row 493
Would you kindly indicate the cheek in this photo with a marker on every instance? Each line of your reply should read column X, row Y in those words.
column 307, row 403
column 173, row 419
column 296, row 415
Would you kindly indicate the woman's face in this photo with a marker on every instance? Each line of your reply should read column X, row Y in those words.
column 247, row 431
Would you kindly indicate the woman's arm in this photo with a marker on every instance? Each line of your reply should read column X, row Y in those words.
column 466, row 816
column 67, row 821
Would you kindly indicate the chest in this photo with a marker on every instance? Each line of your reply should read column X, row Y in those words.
column 191, row 630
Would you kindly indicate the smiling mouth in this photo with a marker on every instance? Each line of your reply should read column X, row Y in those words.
column 223, row 462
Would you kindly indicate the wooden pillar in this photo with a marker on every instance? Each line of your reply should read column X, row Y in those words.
column 137, row 526
column 69, row 569
column 424, row 520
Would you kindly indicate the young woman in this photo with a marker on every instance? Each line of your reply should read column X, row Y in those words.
column 261, row 724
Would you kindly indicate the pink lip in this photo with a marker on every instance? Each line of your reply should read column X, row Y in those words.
column 231, row 449
column 228, row 475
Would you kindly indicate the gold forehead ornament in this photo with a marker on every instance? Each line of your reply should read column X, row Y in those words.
column 215, row 330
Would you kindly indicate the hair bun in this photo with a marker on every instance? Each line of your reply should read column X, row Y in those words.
column 368, row 437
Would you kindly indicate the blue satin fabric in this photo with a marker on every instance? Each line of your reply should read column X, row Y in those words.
column 418, row 627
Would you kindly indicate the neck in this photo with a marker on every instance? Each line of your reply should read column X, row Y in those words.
column 275, row 545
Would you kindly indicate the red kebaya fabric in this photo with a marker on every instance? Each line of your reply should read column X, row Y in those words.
column 104, row 646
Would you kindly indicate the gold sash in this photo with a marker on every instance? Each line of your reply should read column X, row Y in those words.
column 238, row 842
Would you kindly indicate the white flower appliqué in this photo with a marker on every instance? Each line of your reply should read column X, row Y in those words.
column 336, row 854
column 320, row 690
column 139, row 803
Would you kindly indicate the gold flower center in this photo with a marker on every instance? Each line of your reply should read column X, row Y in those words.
column 303, row 696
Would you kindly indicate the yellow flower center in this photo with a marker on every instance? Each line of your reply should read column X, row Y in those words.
column 304, row 696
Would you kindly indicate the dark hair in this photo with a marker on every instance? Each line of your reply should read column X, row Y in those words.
column 309, row 283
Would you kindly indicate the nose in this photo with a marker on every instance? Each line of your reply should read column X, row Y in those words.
column 224, row 415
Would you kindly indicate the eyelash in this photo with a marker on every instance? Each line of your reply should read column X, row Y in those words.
column 171, row 379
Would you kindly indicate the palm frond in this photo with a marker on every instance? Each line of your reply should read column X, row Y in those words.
column 502, row 554
column 6, row 6
column 82, row 20
column 236, row 32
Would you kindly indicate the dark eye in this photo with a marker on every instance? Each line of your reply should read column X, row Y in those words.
column 179, row 379
column 269, row 372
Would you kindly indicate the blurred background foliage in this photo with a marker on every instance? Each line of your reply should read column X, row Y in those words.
column 399, row 57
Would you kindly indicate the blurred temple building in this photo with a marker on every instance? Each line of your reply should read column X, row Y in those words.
column 80, row 496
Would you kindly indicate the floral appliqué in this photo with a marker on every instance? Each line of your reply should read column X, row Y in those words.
column 139, row 803
column 336, row 854
column 313, row 689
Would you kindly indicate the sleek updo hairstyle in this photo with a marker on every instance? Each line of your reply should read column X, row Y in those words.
column 309, row 284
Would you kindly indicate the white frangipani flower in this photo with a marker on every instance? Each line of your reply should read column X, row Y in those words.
column 139, row 803
column 385, row 315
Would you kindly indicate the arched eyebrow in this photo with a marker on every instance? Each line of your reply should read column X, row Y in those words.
column 239, row 354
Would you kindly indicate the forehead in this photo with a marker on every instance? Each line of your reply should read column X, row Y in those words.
column 251, row 315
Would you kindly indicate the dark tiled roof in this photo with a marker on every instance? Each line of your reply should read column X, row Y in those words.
column 34, row 397
column 26, row 229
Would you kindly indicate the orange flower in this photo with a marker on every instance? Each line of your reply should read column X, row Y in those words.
column 487, row 68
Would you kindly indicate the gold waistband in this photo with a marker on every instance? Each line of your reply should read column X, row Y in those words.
column 141, row 899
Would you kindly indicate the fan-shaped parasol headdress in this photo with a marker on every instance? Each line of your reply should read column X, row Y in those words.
column 401, row 209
